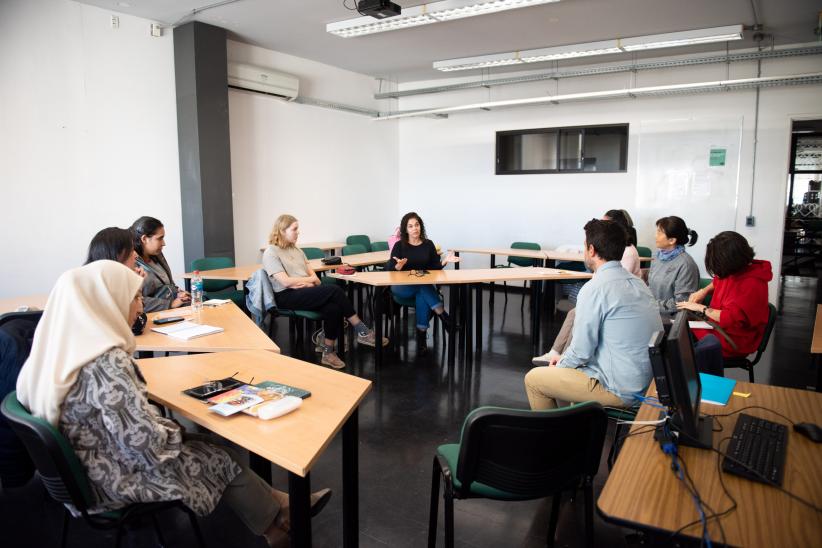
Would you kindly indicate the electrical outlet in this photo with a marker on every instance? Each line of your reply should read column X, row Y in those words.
column 115, row 22
column 750, row 220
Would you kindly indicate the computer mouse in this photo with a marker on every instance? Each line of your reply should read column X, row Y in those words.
column 811, row 431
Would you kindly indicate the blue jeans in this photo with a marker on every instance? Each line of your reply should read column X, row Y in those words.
column 426, row 297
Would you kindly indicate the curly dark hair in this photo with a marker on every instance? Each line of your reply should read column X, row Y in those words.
column 727, row 253
column 404, row 226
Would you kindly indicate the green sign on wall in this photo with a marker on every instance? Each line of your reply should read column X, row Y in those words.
column 717, row 157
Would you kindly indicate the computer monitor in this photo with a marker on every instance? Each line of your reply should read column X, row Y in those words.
column 677, row 383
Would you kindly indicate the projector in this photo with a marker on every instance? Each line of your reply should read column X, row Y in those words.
column 378, row 9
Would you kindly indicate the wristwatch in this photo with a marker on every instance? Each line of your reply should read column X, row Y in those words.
column 705, row 311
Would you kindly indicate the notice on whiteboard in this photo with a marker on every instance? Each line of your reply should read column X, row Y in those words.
column 717, row 157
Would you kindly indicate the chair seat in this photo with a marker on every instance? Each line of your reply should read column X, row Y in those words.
column 450, row 452
column 621, row 414
column 307, row 314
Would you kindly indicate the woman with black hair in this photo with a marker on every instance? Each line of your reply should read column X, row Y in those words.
column 415, row 252
column 739, row 304
column 674, row 275
column 159, row 290
column 630, row 257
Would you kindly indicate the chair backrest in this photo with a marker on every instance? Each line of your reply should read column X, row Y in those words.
column 644, row 251
column 213, row 263
column 313, row 253
column 55, row 460
column 379, row 246
column 703, row 283
column 531, row 453
column 522, row 261
column 360, row 239
column 763, row 344
column 353, row 249
column 31, row 316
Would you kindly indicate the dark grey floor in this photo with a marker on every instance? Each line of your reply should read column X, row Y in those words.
column 416, row 404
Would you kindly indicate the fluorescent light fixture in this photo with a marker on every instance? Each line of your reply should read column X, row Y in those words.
column 619, row 45
column 629, row 93
column 424, row 14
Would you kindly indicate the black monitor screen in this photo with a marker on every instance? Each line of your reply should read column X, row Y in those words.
column 683, row 376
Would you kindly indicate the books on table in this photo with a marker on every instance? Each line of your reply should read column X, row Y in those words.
column 716, row 390
column 187, row 330
column 258, row 401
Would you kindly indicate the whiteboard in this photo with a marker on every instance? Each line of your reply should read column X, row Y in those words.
column 688, row 168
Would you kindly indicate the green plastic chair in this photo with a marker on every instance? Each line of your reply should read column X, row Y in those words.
column 312, row 253
column 517, row 454
column 359, row 239
column 519, row 261
column 379, row 246
column 644, row 251
column 703, row 283
column 353, row 249
column 219, row 289
column 66, row 481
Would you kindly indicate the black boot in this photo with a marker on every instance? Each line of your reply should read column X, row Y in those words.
column 446, row 321
column 422, row 342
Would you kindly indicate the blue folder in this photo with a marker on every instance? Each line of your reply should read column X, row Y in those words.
column 716, row 390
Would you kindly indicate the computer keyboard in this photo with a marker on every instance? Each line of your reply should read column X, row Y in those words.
column 760, row 445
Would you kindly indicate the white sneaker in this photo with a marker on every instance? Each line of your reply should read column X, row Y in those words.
column 545, row 359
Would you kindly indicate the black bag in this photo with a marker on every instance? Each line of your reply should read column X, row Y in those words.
column 332, row 260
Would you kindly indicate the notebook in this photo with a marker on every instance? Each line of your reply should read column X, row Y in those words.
column 716, row 390
column 216, row 302
column 187, row 330
column 699, row 325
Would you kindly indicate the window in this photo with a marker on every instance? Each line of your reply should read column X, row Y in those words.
column 563, row 150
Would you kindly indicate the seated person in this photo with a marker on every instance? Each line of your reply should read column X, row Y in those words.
column 297, row 287
column 117, row 244
column 159, row 290
column 81, row 378
column 674, row 275
column 739, row 304
column 415, row 251
column 607, row 360
column 629, row 261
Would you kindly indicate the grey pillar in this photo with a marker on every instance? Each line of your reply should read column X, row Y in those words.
column 202, row 135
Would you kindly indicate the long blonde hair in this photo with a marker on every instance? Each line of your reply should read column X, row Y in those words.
column 280, row 225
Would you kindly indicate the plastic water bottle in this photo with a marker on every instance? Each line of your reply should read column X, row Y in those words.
column 196, row 294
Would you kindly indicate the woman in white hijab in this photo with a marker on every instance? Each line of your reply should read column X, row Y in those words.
column 81, row 378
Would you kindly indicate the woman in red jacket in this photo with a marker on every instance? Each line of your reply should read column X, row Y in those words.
column 739, row 304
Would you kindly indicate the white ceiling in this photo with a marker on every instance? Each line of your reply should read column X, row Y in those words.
column 297, row 27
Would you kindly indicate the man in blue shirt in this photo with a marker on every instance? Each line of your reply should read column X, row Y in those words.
column 616, row 314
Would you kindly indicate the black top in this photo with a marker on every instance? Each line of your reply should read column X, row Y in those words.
column 420, row 257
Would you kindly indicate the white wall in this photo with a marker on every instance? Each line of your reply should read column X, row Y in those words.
column 335, row 171
column 446, row 168
column 88, row 136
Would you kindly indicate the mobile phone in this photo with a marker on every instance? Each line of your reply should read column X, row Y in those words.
column 213, row 388
column 171, row 319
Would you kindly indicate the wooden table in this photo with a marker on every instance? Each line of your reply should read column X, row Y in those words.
column 294, row 441
column 816, row 346
column 12, row 304
column 241, row 333
column 464, row 277
column 643, row 492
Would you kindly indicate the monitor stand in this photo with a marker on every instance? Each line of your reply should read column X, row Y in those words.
column 704, row 431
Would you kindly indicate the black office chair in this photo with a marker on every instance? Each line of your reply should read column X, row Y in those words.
column 747, row 364
column 517, row 454
column 65, row 479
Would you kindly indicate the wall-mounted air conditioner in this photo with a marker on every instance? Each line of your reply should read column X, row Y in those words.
column 263, row 80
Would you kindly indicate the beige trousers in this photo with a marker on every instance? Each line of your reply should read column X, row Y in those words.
column 563, row 340
column 546, row 385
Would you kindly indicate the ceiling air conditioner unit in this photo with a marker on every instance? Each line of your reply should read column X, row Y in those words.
column 263, row 80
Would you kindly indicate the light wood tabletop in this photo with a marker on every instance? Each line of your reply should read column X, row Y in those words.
column 643, row 491
column 816, row 342
column 463, row 276
column 12, row 304
column 294, row 441
column 240, row 332
column 549, row 254
column 244, row 272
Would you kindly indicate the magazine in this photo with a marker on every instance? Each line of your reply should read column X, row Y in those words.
column 235, row 400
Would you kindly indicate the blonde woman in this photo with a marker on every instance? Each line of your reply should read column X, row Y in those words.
column 297, row 287
column 81, row 378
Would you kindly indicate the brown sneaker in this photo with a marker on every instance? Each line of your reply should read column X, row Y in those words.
column 370, row 338
column 332, row 360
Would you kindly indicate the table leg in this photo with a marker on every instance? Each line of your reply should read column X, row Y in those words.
column 351, row 496
column 469, row 325
column 491, row 284
column 818, row 364
column 299, row 500
column 478, row 312
column 550, row 290
column 536, row 293
column 378, row 298
column 452, row 305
